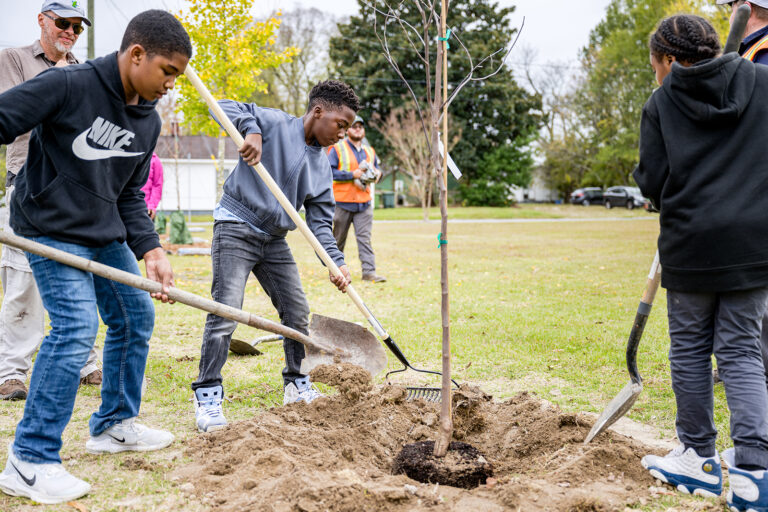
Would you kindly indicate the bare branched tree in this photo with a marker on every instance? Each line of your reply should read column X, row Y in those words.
column 430, row 37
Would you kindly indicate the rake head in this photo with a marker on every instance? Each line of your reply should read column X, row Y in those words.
column 426, row 394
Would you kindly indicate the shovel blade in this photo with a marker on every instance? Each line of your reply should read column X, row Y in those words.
column 617, row 408
column 243, row 348
column 361, row 346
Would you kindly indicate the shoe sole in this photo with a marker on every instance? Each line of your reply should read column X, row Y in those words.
column 212, row 428
column 16, row 395
column 99, row 447
column 37, row 497
column 697, row 491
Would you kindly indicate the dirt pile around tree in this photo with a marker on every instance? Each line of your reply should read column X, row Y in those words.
column 336, row 455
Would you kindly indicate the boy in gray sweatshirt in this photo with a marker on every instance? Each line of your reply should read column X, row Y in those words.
column 250, row 228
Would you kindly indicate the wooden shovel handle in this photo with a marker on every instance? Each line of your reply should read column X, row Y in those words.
column 280, row 196
column 190, row 299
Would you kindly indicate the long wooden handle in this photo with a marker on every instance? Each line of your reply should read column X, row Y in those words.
column 190, row 299
column 280, row 196
column 641, row 317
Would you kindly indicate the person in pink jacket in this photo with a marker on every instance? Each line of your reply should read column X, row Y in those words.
column 153, row 190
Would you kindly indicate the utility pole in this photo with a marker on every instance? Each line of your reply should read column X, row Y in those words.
column 91, row 38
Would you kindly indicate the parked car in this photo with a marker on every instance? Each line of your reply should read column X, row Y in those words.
column 587, row 196
column 630, row 197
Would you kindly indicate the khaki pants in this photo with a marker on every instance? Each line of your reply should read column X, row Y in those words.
column 22, row 316
column 363, row 222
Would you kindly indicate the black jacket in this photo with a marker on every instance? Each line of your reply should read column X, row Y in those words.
column 89, row 156
column 703, row 141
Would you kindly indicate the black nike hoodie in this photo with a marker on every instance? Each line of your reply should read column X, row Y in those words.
column 703, row 140
column 89, row 156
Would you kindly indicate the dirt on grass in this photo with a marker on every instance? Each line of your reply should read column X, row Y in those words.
column 336, row 454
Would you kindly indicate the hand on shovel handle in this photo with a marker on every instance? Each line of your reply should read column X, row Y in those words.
column 341, row 281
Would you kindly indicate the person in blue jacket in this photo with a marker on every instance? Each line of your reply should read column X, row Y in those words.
column 250, row 227
column 94, row 127
column 701, row 140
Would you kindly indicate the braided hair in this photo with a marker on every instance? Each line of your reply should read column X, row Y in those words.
column 686, row 37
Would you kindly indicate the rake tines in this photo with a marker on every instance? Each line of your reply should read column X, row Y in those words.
column 426, row 394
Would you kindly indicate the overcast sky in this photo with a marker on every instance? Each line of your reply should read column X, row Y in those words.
column 555, row 28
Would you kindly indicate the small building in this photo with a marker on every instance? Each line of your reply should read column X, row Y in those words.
column 189, row 171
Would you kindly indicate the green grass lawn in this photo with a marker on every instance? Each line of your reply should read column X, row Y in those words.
column 543, row 306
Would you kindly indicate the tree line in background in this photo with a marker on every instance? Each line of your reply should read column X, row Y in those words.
column 592, row 125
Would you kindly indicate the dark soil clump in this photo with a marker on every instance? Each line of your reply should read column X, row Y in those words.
column 463, row 466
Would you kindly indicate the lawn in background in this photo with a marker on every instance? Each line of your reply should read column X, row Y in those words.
column 540, row 306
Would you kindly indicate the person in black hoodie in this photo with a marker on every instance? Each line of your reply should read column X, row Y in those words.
column 94, row 127
column 702, row 164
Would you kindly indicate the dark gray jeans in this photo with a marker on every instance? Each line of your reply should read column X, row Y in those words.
column 728, row 325
column 363, row 222
column 238, row 250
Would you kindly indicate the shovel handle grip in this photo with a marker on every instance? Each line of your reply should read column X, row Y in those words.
column 641, row 317
column 738, row 27
column 150, row 286
column 230, row 128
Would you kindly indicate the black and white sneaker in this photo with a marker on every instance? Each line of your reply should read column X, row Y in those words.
column 128, row 436
column 44, row 483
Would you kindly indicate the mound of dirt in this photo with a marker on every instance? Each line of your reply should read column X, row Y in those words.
column 336, row 455
column 351, row 380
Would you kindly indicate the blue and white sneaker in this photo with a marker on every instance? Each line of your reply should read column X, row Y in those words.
column 747, row 490
column 208, row 413
column 687, row 472
column 300, row 390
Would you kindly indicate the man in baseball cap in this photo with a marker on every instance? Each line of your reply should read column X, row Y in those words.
column 754, row 47
column 64, row 9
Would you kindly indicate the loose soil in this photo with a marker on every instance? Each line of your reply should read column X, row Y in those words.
column 336, row 454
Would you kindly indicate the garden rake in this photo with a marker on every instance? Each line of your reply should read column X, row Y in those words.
column 426, row 393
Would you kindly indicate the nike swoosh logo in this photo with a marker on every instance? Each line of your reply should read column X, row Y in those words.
column 117, row 438
column 82, row 150
column 29, row 481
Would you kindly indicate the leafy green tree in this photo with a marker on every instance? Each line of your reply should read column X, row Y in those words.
column 231, row 50
column 490, row 115
column 608, row 100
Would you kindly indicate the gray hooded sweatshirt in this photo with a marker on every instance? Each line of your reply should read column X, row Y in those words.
column 302, row 172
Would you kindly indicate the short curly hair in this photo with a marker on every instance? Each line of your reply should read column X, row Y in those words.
column 159, row 33
column 686, row 37
column 333, row 95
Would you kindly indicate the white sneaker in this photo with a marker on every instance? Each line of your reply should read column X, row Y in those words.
column 208, row 413
column 44, row 483
column 127, row 435
column 687, row 472
column 301, row 390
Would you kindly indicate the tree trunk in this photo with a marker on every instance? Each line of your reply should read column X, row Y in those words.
column 445, row 432
column 221, row 173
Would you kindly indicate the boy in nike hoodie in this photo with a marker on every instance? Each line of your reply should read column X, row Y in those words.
column 702, row 163
column 79, row 191
column 250, row 228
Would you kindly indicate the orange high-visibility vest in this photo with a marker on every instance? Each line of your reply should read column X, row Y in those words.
column 347, row 191
column 760, row 45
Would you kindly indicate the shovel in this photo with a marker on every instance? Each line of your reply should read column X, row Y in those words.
column 341, row 328
column 624, row 401
column 248, row 348
column 321, row 346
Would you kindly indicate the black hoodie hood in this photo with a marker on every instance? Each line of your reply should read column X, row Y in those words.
column 107, row 70
column 710, row 90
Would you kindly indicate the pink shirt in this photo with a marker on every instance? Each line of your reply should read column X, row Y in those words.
column 153, row 190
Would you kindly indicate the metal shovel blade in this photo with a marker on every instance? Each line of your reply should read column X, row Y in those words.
column 362, row 347
column 245, row 348
column 616, row 409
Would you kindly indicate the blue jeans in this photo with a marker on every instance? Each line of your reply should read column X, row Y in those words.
column 238, row 250
column 72, row 298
